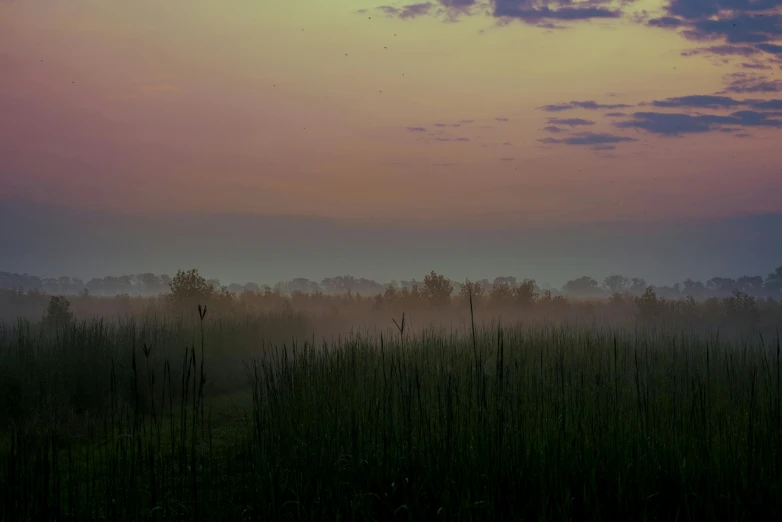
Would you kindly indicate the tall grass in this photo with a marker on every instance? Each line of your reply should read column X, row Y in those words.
column 490, row 423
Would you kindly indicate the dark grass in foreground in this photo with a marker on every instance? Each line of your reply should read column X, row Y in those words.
column 543, row 423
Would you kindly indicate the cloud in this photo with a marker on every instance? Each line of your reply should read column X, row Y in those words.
column 677, row 124
column 589, row 138
column 416, row 129
column 615, row 114
column 556, row 107
column 534, row 11
column 770, row 48
column 507, row 159
column 701, row 9
column 552, row 128
column 701, row 101
column 462, row 139
column 407, row 11
column 447, row 124
column 665, row 21
column 589, row 105
column 570, row 121
column 604, row 147
column 735, row 27
column 771, row 105
column 723, row 50
column 743, row 82
column 542, row 13
column 458, row 4
column 466, row 121
column 501, row 119
column 753, row 65
column 745, row 26
column 450, row 9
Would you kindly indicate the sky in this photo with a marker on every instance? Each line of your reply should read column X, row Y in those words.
column 599, row 135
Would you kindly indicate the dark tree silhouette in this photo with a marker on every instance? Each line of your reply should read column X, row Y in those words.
column 437, row 289
column 584, row 286
column 774, row 282
column 190, row 287
column 616, row 284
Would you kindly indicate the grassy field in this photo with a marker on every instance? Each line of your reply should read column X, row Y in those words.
column 228, row 419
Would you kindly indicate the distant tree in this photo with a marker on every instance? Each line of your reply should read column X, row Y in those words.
column 752, row 285
column 437, row 289
column 410, row 284
column 501, row 294
column 692, row 288
column 10, row 281
column 150, row 284
column 617, row 299
column 742, row 307
column 369, row 286
column 125, row 283
column 505, row 280
column 721, row 286
column 235, row 288
column 525, row 293
column 95, row 286
column 469, row 287
column 773, row 283
column 485, row 284
column 339, row 284
column 58, row 312
column 391, row 294
column 668, row 292
column 64, row 284
column 301, row 285
column 616, row 284
column 638, row 286
column 189, row 287
column 409, row 296
column 649, row 306
column 252, row 287
column 123, row 302
column 582, row 287
column 49, row 285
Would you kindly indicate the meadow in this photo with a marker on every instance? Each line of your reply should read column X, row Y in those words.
column 216, row 413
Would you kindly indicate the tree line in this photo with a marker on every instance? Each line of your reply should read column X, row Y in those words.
column 149, row 284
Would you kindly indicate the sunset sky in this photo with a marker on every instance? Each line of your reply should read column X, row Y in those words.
column 604, row 136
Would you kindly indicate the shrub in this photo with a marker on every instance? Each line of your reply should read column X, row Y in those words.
column 58, row 313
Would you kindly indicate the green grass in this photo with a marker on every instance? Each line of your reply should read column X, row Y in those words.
column 500, row 423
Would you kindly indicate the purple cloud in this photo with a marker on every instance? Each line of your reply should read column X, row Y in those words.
column 570, row 121
column 677, row 124
column 589, row 105
column 589, row 138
